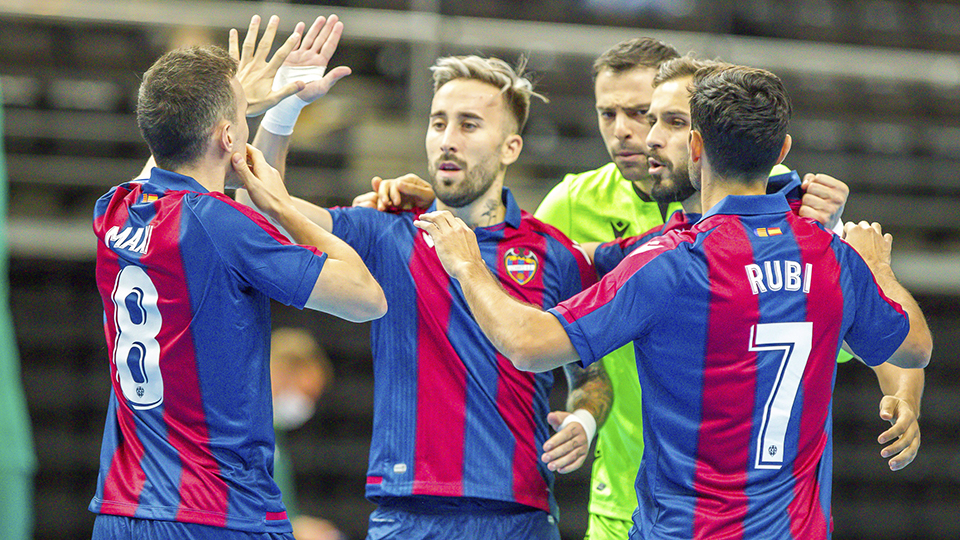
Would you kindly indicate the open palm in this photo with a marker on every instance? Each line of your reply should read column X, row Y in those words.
column 309, row 61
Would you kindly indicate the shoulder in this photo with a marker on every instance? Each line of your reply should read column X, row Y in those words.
column 536, row 226
column 592, row 179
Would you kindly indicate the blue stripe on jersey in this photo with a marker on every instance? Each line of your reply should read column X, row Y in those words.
column 781, row 307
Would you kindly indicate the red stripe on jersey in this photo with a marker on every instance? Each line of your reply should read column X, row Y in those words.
column 515, row 389
column 125, row 478
column 729, row 384
column 807, row 518
column 441, row 383
column 203, row 492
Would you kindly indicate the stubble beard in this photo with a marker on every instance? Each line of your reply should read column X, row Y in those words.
column 477, row 180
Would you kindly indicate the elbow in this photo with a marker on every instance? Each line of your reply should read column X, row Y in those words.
column 373, row 307
column 915, row 353
column 526, row 357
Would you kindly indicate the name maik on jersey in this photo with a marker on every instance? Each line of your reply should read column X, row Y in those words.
column 135, row 239
column 779, row 275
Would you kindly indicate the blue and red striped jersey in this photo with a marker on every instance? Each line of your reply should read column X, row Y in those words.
column 452, row 417
column 186, row 277
column 736, row 324
column 609, row 254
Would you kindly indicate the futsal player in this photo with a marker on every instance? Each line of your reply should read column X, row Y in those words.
column 457, row 430
column 737, row 423
column 186, row 276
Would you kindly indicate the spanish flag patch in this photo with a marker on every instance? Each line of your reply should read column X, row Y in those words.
column 764, row 232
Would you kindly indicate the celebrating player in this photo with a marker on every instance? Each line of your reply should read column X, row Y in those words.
column 457, row 431
column 750, row 305
column 186, row 276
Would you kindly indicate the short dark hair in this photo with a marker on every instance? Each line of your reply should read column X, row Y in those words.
column 636, row 52
column 182, row 97
column 742, row 115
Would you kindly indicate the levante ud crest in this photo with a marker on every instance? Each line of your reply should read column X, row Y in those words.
column 521, row 264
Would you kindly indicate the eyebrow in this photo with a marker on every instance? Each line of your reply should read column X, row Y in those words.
column 460, row 116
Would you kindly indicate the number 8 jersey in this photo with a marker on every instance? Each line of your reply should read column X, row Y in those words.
column 736, row 324
column 186, row 278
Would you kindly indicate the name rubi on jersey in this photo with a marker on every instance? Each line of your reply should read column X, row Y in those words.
column 779, row 275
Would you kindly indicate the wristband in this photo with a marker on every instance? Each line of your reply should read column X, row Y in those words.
column 838, row 228
column 281, row 118
column 585, row 419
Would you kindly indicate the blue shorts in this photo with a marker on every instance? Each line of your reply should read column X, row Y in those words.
column 107, row 527
column 402, row 522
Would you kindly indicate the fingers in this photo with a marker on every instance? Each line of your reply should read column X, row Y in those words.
column 329, row 37
column 567, row 450
column 266, row 42
column 311, row 36
column 250, row 40
column 284, row 51
column 234, row 46
column 366, row 200
column 904, row 432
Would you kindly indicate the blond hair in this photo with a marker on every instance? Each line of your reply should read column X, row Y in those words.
column 516, row 88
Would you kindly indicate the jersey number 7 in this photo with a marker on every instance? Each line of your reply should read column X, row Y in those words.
column 795, row 340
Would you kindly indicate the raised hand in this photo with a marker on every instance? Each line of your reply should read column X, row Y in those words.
column 308, row 62
column 255, row 72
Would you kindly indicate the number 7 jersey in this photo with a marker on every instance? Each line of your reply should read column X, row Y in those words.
column 736, row 324
column 186, row 278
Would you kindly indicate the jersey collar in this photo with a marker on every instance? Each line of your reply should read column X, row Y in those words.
column 171, row 181
column 750, row 205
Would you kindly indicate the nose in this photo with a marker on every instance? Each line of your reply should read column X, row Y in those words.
column 622, row 128
column 655, row 136
column 449, row 141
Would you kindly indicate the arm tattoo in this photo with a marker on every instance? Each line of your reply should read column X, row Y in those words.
column 589, row 389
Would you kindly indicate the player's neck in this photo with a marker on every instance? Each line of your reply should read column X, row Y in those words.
column 692, row 205
column 208, row 174
column 488, row 209
column 715, row 188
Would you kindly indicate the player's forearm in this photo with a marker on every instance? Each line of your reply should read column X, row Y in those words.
column 918, row 346
column 274, row 147
column 906, row 384
column 590, row 389
column 346, row 287
column 531, row 338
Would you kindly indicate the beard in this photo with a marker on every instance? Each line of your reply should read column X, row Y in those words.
column 477, row 180
column 672, row 184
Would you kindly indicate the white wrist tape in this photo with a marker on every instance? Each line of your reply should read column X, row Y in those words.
column 838, row 228
column 281, row 118
column 585, row 419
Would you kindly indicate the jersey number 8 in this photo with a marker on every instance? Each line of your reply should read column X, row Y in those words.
column 136, row 352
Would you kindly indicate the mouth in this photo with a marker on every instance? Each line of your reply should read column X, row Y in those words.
column 627, row 155
column 655, row 166
column 449, row 166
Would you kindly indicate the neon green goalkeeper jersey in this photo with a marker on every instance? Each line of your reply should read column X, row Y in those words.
column 599, row 206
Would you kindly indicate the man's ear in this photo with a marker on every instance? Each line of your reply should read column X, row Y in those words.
column 785, row 149
column 511, row 148
column 226, row 136
column 695, row 141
